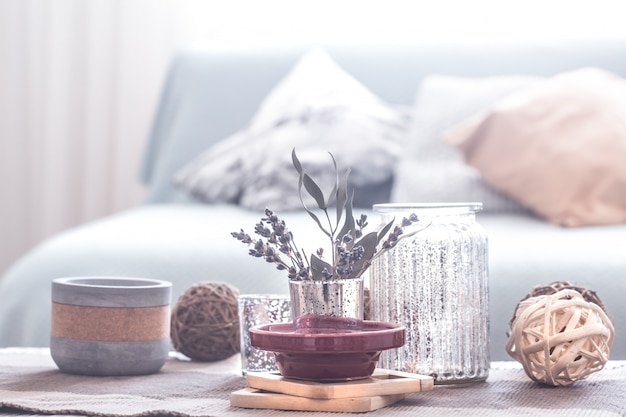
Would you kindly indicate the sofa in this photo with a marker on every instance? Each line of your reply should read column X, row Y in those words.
column 397, row 115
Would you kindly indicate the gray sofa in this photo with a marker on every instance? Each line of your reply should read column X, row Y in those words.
column 212, row 93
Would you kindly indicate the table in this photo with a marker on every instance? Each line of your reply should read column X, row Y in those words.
column 30, row 384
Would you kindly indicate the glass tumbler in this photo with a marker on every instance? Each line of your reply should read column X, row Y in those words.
column 256, row 309
column 435, row 283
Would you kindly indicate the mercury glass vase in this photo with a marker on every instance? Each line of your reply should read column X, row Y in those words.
column 435, row 283
column 333, row 306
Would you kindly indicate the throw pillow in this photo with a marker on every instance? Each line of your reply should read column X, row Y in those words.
column 431, row 170
column 559, row 148
column 318, row 108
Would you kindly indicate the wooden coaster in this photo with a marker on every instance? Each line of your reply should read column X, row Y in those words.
column 382, row 382
column 255, row 398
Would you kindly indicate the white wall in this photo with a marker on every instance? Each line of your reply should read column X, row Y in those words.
column 79, row 79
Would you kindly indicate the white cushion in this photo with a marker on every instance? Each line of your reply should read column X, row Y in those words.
column 317, row 108
column 431, row 170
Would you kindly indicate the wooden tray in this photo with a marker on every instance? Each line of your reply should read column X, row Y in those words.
column 382, row 382
column 383, row 388
column 255, row 398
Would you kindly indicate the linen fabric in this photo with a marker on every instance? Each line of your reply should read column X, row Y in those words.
column 30, row 384
column 558, row 148
column 431, row 170
column 317, row 108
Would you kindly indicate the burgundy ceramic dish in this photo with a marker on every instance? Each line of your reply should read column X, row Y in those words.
column 327, row 356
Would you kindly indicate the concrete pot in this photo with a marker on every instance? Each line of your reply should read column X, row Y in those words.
column 110, row 325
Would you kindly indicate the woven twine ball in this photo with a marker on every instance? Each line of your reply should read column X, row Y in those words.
column 560, row 333
column 205, row 322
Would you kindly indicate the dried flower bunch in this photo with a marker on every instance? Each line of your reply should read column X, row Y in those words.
column 352, row 251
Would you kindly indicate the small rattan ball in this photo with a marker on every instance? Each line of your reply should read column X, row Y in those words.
column 560, row 334
column 205, row 321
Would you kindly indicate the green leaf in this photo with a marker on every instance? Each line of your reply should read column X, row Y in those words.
column 317, row 266
column 314, row 191
column 383, row 232
column 349, row 223
column 298, row 166
column 369, row 242
column 310, row 213
column 311, row 187
column 317, row 220
column 295, row 161
column 342, row 196
column 331, row 196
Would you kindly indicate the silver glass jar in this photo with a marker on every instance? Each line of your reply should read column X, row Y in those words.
column 435, row 283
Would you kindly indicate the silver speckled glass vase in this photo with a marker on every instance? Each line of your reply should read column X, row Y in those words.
column 435, row 283
column 334, row 306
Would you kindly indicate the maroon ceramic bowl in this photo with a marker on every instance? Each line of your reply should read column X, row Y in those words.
column 327, row 356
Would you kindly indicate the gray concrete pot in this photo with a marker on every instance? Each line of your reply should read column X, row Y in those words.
column 110, row 325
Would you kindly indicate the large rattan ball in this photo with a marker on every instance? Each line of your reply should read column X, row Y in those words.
column 560, row 333
column 205, row 321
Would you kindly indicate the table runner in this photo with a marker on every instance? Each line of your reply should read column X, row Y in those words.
column 30, row 384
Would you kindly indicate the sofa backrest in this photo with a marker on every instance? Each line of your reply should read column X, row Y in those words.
column 212, row 92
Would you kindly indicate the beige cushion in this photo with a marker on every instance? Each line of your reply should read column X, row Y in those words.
column 559, row 147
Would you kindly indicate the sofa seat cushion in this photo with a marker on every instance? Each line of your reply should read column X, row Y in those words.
column 186, row 244
column 183, row 244
column 526, row 251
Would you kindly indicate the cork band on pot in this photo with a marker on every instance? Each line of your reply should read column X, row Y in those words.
column 110, row 324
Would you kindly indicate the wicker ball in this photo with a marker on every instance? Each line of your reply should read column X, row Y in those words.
column 205, row 322
column 560, row 333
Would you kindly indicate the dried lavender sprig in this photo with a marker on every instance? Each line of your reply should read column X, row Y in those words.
column 283, row 238
column 280, row 238
column 348, row 259
column 398, row 230
column 260, row 249
column 279, row 235
column 362, row 224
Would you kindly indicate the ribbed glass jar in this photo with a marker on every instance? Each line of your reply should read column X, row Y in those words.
column 436, row 284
